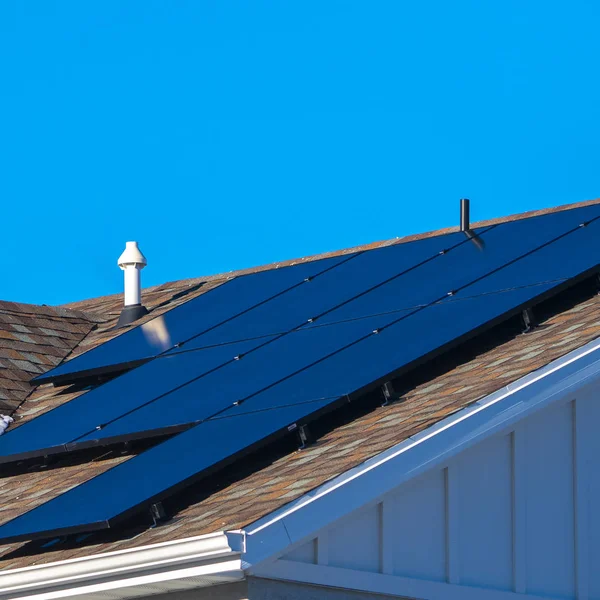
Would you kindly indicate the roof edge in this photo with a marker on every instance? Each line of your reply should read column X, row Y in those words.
column 292, row 525
column 498, row 220
column 26, row 308
column 288, row 262
column 193, row 563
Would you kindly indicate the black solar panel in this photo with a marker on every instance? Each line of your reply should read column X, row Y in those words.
column 374, row 322
column 52, row 431
column 189, row 319
column 95, row 505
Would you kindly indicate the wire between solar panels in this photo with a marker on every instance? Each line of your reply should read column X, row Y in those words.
column 303, row 329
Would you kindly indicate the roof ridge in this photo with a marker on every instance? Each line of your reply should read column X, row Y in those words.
column 361, row 247
column 498, row 220
column 35, row 310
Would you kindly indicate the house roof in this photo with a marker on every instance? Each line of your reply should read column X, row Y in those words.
column 34, row 339
column 266, row 481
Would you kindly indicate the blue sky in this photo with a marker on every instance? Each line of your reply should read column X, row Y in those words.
column 222, row 135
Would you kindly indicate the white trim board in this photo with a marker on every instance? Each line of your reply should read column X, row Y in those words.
column 376, row 583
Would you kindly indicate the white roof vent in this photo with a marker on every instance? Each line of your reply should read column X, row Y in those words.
column 132, row 261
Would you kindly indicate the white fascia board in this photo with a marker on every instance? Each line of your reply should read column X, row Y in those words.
column 273, row 535
column 376, row 583
column 188, row 563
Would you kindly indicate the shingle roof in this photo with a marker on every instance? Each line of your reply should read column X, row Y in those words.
column 34, row 339
column 264, row 482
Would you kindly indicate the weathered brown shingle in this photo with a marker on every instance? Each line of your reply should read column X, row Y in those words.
column 33, row 339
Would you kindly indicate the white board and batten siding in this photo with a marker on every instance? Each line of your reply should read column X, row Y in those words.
column 516, row 515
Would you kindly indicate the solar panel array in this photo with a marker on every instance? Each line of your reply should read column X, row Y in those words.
column 238, row 365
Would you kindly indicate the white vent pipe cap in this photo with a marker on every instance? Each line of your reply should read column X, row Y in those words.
column 132, row 256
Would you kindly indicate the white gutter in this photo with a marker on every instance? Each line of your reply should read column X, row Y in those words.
column 179, row 565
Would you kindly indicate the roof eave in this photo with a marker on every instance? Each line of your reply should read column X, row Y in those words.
column 190, row 563
column 296, row 523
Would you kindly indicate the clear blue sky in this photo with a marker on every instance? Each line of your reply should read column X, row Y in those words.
column 222, row 135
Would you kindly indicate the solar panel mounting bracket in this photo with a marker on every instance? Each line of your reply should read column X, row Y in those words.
column 303, row 434
column 528, row 320
column 158, row 514
column 390, row 394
